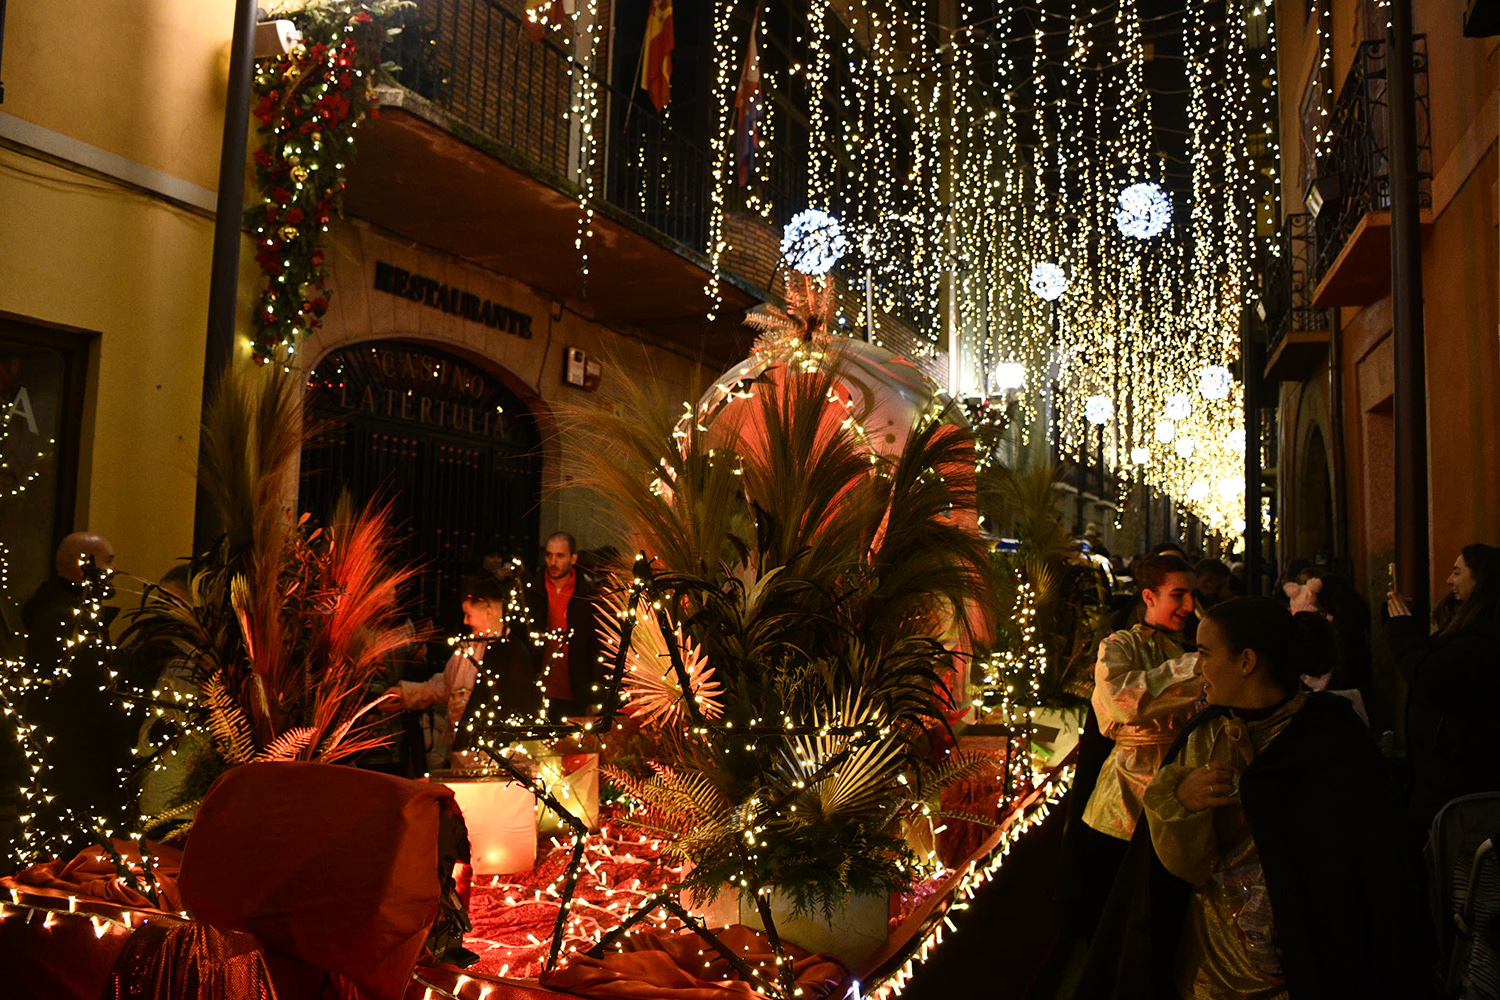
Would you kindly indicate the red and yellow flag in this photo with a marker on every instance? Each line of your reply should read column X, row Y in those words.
column 656, row 54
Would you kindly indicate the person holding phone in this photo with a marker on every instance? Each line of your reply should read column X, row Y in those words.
column 1229, row 889
column 1454, row 676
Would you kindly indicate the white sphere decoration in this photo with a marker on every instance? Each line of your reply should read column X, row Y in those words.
column 1239, row 526
column 1098, row 409
column 1140, row 456
column 1144, row 210
column 1165, row 431
column 813, row 242
column 1010, row 375
column 1048, row 281
column 1198, row 492
column 1185, row 447
column 1178, row 406
column 1237, row 439
column 1231, row 487
column 1214, row 382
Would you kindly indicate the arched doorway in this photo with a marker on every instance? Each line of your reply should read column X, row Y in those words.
column 456, row 452
column 1314, row 502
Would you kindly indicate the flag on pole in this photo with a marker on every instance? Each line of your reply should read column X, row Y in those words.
column 543, row 16
column 748, row 107
column 656, row 54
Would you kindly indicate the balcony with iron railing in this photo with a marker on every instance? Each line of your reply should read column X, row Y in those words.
column 479, row 141
column 1350, row 199
column 1296, row 331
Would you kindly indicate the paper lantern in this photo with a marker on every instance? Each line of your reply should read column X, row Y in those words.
column 501, row 817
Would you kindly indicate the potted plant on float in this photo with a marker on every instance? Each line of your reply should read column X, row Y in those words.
column 796, row 650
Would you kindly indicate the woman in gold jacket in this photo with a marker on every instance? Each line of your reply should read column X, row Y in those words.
column 1270, row 864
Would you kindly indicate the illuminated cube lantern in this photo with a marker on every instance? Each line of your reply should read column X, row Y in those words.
column 573, row 780
column 501, row 817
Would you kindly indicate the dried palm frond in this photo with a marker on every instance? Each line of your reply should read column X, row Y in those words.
column 652, row 690
column 227, row 722
column 288, row 746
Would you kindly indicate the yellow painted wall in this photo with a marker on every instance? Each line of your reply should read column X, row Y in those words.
column 144, row 81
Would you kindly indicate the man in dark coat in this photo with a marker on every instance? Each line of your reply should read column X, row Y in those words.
column 1343, row 885
column 564, row 612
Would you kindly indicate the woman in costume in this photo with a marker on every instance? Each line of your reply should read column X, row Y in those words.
column 490, row 676
column 1271, row 864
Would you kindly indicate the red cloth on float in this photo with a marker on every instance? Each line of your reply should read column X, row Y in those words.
column 331, row 865
column 93, row 875
column 170, row 961
column 683, row 966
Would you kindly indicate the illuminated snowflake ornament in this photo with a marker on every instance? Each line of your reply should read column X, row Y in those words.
column 1198, row 492
column 1165, row 431
column 1098, row 409
column 1185, row 447
column 1140, row 456
column 1214, row 382
column 813, row 242
column 1178, row 406
column 1048, row 281
column 1237, row 439
column 1144, row 210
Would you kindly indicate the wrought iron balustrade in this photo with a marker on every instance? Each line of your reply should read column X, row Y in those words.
column 1355, row 155
column 1287, row 286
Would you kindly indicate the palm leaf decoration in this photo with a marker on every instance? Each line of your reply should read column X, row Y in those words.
column 652, row 690
column 825, row 585
column 287, row 627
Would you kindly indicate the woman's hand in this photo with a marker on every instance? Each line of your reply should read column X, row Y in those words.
column 391, row 701
column 1207, row 787
column 1395, row 604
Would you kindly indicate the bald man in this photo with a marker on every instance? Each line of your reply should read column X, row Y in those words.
column 49, row 614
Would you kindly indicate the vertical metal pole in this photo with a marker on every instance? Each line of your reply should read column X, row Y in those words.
column 223, row 289
column 2, row 49
column 1250, row 360
column 1413, row 573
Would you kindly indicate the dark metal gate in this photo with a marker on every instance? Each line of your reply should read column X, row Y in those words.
column 454, row 450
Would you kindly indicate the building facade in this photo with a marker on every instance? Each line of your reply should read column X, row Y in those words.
column 1328, row 290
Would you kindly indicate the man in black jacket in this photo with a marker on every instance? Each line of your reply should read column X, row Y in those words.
column 564, row 617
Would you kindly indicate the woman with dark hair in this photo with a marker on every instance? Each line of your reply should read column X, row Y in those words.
column 491, row 675
column 1270, row 864
column 1455, row 684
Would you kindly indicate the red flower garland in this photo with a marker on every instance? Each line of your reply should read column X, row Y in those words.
column 311, row 101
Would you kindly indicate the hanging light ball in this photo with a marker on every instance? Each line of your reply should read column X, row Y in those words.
column 1198, row 492
column 1098, row 409
column 1048, row 281
column 1165, row 431
column 1178, row 406
column 1237, row 439
column 1140, row 456
column 813, row 242
column 1144, row 210
column 1214, row 382
column 1010, row 375
column 1185, row 447
column 1239, row 526
column 1231, row 487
